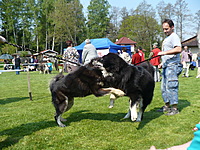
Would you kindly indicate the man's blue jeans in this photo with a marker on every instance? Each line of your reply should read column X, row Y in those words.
column 169, row 84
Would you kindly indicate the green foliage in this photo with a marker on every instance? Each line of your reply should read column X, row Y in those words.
column 23, row 53
column 98, row 20
column 8, row 49
column 90, row 124
column 142, row 29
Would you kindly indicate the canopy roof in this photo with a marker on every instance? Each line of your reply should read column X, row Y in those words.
column 102, row 43
column 6, row 56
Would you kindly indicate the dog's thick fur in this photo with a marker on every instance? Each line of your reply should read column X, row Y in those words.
column 83, row 82
column 136, row 81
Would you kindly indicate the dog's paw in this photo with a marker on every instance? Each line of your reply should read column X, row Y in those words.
column 111, row 106
column 62, row 125
column 133, row 119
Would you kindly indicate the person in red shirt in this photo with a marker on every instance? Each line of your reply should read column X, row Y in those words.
column 155, row 61
column 141, row 53
column 136, row 58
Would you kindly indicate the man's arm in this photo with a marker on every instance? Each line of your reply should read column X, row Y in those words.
column 175, row 50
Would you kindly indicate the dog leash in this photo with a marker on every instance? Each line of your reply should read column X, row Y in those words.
column 146, row 60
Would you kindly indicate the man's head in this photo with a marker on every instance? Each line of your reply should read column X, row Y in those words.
column 155, row 45
column 185, row 48
column 69, row 43
column 168, row 26
column 87, row 41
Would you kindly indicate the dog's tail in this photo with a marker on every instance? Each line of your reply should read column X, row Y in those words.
column 55, row 79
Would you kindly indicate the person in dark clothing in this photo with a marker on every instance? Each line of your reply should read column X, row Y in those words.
column 17, row 64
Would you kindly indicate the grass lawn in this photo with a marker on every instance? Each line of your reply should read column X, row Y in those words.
column 91, row 125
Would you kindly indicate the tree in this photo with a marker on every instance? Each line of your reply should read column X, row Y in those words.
column 141, row 26
column 115, row 22
column 165, row 11
column 197, row 19
column 68, row 21
column 98, row 19
column 182, row 17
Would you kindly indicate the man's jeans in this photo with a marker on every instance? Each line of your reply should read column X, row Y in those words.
column 169, row 84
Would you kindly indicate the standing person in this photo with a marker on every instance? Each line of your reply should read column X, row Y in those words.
column 125, row 56
column 172, row 67
column 72, row 55
column 17, row 64
column 89, row 52
column 136, row 58
column 50, row 66
column 155, row 61
column 186, row 56
column 198, row 62
column 31, row 60
column 35, row 62
column 141, row 53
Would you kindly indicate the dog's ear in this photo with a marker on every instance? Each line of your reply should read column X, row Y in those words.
column 113, row 62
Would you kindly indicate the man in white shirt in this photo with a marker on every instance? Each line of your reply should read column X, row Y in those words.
column 89, row 52
column 172, row 67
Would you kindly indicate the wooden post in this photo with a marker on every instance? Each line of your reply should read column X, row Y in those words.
column 29, row 84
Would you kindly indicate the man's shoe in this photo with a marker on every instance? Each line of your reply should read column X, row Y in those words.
column 163, row 109
column 172, row 112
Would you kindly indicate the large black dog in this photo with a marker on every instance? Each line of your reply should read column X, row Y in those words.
column 85, row 81
column 137, row 82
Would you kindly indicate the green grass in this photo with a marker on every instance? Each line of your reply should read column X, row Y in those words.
column 30, row 125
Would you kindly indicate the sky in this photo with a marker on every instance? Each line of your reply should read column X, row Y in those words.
column 193, row 6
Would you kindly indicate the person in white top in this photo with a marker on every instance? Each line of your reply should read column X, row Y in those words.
column 125, row 56
column 171, row 67
column 89, row 52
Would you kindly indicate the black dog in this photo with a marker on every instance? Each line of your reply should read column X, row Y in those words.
column 136, row 82
column 83, row 82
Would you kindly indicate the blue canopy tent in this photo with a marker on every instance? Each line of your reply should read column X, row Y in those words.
column 103, row 43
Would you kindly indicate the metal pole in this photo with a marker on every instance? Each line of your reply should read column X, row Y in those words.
column 29, row 84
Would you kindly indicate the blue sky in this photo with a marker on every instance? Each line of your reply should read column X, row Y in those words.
column 193, row 5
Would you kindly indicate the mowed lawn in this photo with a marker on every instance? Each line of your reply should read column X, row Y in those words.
column 91, row 125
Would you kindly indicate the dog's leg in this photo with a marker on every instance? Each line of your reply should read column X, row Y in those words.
column 133, row 109
column 60, row 102
column 140, row 113
column 128, row 115
column 59, row 111
column 116, row 92
column 112, row 100
column 58, row 121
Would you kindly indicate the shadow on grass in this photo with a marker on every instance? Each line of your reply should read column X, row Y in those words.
column 11, row 100
column 85, row 114
column 17, row 133
column 152, row 114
